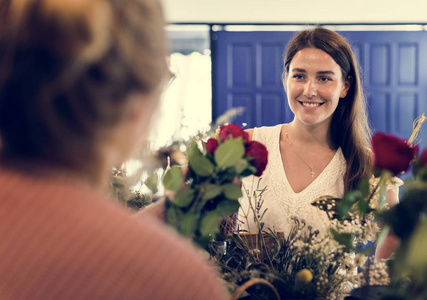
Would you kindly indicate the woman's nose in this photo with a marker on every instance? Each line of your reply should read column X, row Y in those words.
column 310, row 89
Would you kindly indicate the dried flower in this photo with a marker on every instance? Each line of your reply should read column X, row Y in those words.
column 304, row 276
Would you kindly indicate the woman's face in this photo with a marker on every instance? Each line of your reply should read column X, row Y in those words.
column 314, row 86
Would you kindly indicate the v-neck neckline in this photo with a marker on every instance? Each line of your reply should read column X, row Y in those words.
column 308, row 187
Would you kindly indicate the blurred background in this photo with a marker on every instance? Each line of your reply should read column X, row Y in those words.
column 228, row 54
column 226, row 57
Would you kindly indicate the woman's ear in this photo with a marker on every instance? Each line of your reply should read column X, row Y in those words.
column 346, row 87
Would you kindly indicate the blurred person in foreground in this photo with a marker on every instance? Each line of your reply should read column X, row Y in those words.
column 79, row 82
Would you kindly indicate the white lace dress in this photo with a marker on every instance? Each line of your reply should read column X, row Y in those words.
column 279, row 199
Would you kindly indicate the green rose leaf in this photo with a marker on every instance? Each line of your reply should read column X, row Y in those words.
column 241, row 165
column 173, row 178
column 364, row 187
column 227, row 174
column 250, row 170
column 210, row 191
column 188, row 224
column 345, row 239
column 210, row 224
column 232, row 191
column 229, row 153
column 201, row 165
column 414, row 260
column 173, row 214
column 344, row 206
column 363, row 206
column 152, row 182
column 193, row 150
column 227, row 207
column 184, row 197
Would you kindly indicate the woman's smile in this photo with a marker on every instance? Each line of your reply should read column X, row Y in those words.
column 311, row 105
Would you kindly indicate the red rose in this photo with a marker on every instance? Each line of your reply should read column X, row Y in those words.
column 259, row 154
column 235, row 131
column 211, row 146
column 392, row 153
column 423, row 158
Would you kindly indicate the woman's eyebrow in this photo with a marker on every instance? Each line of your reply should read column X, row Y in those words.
column 319, row 72
column 326, row 73
column 299, row 70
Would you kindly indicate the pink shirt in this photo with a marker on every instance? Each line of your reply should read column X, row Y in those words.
column 60, row 239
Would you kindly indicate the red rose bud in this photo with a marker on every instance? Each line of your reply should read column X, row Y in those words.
column 259, row 154
column 423, row 158
column 392, row 153
column 233, row 130
column 211, row 146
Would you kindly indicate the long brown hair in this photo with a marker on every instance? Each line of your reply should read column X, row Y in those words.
column 68, row 69
column 349, row 127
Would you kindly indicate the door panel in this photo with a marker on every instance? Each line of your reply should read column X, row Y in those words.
column 248, row 66
column 250, row 63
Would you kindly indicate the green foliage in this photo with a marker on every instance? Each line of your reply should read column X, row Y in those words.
column 408, row 221
column 345, row 239
column 210, row 224
column 199, row 163
column 188, row 223
column 241, row 165
column 364, row 187
column 405, row 217
column 184, row 197
column 227, row 207
column 345, row 205
column 229, row 153
column 207, row 192
column 279, row 258
column 173, row 179
column 363, row 205
column 173, row 214
column 210, row 191
column 152, row 183
column 232, row 191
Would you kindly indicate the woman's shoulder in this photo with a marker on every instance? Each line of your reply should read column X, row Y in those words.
column 263, row 132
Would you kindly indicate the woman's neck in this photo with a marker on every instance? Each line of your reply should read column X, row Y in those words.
column 310, row 135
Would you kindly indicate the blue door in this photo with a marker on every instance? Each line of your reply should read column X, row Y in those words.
column 247, row 70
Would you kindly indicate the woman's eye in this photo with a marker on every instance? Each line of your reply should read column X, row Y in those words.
column 298, row 76
column 325, row 79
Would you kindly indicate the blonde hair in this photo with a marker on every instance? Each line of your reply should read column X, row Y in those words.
column 349, row 127
column 68, row 68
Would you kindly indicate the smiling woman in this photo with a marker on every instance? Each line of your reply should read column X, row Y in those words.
column 314, row 85
column 325, row 149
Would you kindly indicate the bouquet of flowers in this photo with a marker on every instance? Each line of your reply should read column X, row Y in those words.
column 307, row 265
column 354, row 218
column 300, row 265
column 210, row 190
column 407, row 221
column 407, row 269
